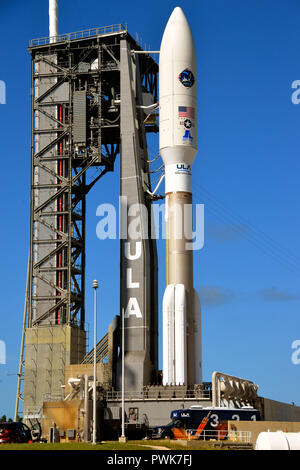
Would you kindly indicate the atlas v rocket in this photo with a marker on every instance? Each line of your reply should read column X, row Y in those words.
column 178, row 148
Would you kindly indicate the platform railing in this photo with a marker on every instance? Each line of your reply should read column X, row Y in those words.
column 219, row 435
column 168, row 393
column 101, row 351
column 86, row 33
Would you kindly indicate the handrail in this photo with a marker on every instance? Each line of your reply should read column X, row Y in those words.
column 219, row 434
column 159, row 394
column 101, row 351
column 85, row 33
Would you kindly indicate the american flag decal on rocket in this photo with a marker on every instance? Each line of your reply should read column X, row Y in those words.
column 186, row 112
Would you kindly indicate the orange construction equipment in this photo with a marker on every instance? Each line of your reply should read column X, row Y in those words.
column 222, row 431
column 181, row 433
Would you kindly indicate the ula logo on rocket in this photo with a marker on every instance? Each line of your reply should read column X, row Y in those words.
column 187, row 136
column 182, row 166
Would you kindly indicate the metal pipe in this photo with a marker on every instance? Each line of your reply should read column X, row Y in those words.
column 123, row 376
column 53, row 20
column 95, row 286
column 157, row 186
column 22, row 344
column 59, row 313
column 86, row 408
column 216, row 392
column 145, row 52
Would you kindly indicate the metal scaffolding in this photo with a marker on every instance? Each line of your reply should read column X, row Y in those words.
column 75, row 115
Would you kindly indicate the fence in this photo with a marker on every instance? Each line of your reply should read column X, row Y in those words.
column 218, row 435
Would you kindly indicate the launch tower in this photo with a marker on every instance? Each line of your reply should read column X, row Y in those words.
column 88, row 91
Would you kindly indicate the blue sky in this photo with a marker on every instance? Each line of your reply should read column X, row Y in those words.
column 246, row 173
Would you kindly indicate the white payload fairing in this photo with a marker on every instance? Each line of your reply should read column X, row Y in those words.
column 178, row 148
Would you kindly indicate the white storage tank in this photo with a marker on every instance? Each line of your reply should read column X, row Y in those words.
column 278, row 440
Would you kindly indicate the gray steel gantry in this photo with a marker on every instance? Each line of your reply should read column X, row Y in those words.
column 81, row 104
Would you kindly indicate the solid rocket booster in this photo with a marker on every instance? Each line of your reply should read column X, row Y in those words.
column 178, row 148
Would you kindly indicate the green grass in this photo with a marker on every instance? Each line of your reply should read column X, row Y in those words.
column 108, row 445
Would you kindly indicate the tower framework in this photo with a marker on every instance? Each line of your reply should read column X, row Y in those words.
column 88, row 89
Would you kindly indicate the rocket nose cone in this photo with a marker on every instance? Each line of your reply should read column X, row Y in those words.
column 177, row 13
column 177, row 16
column 177, row 35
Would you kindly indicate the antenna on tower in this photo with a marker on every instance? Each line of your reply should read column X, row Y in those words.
column 53, row 20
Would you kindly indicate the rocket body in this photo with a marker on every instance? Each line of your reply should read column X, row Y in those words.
column 178, row 148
